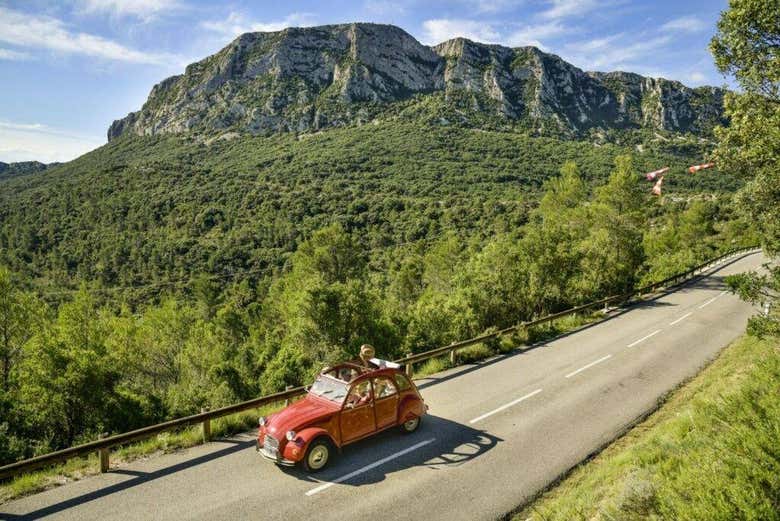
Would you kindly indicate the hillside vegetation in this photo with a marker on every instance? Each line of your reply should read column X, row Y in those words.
column 158, row 211
column 710, row 452
column 423, row 236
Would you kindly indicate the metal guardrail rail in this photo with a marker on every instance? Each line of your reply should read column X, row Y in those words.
column 103, row 445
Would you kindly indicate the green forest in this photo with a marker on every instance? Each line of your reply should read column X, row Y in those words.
column 156, row 276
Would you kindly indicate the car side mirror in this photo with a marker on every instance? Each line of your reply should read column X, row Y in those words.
column 349, row 405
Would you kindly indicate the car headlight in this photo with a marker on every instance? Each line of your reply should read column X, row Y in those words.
column 263, row 421
column 290, row 435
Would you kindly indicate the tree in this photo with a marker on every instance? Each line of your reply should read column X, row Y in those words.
column 746, row 46
column 550, row 241
column 18, row 312
column 612, row 251
column 68, row 381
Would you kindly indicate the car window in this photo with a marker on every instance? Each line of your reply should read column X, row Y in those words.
column 359, row 394
column 403, row 383
column 384, row 387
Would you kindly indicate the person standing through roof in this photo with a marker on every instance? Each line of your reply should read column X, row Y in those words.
column 366, row 354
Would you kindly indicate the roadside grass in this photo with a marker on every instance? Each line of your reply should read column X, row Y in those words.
column 166, row 442
column 710, row 452
column 507, row 343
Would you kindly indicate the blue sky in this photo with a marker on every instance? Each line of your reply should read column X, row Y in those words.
column 70, row 67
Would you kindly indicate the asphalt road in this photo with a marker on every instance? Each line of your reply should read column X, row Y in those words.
column 497, row 432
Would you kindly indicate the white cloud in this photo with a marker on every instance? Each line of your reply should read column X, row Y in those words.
column 43, row 32
column 8, row 54
column 144, row 9
column 237, row 23
column 37, row 142
column 689, row 24
column 533, row 34
column 567, row 8
column 437, row 31
column 613, row 52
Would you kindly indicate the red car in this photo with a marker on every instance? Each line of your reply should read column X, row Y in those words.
column 345, row 404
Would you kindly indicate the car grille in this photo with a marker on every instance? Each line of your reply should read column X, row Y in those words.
column 271, row 443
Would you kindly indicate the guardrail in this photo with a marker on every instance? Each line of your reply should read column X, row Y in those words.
column 103, row 445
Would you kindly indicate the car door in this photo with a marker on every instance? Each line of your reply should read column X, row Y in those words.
column 385, row 401
column 357, row 413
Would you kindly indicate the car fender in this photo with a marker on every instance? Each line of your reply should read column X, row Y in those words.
column 302, row 441
column 409, row 408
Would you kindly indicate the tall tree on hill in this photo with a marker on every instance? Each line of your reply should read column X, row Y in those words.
column 612, row 251
column 747, row 46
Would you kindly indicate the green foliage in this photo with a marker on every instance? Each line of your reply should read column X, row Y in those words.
column 746, row 46
column 212, row 273
column 147, row 216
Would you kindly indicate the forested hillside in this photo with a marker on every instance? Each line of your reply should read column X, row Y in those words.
column 156, row 276
column 159, row 211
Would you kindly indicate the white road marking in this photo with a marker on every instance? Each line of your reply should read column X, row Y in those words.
column 588, row 366
column 632, row 344
column 681, row 318
column 713, row 299
column 375, row 464
column 506, row 406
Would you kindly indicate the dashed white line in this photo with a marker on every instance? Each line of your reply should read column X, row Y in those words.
column 375, row 464
column 681, row 318
column 632, row 344
column 588, row 366
column 505, row 406
column 713, row 299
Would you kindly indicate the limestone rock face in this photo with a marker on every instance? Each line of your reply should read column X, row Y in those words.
column 304, row 79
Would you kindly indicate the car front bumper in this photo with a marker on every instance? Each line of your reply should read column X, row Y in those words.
column 274, row 456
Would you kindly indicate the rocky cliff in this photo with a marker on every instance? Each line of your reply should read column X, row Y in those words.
column 303, row 79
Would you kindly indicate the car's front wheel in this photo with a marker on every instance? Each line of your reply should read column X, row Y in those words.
column 317, row 456
column 410, row 426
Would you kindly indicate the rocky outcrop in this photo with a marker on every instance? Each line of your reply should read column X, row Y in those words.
column 303, row 79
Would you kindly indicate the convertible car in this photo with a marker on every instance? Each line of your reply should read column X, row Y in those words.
column 346, row 403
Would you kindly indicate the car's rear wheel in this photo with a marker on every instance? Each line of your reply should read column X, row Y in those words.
column 317, row 456
column 410, row 426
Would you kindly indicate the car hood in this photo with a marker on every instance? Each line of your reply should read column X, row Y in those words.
column 299, row 415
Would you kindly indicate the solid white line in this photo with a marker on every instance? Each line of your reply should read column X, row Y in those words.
column 506, row 406
column 369, row 467
column 632, row 344
column 681, row 318
column 587, row 366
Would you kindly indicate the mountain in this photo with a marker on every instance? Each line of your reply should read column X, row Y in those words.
column 8, row 170
column 307, row 79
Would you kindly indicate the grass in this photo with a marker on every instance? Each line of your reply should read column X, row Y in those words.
column 506, row 343
column 163, row 443
column 710, row 452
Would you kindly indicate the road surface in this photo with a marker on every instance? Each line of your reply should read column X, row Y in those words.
column 498, row 431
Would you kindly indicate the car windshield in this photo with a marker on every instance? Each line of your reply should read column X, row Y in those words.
column 329, row 388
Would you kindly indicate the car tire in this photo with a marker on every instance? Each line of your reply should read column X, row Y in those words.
column 409, row 426
column 317, row 455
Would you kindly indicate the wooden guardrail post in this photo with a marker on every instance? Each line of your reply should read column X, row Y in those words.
column 409, row 370
column 287, row 401
column 452, row 355
column 206, row 426
column 103, row 453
